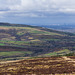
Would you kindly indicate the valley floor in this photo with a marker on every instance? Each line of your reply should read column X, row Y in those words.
column 39, row 66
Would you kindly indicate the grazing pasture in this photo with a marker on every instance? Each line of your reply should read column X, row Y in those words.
column 17, row 40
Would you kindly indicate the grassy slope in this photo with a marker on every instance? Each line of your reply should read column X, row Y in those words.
column 35, row 40
column 61, row 52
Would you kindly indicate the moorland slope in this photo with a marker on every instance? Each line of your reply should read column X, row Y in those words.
column 40, row 66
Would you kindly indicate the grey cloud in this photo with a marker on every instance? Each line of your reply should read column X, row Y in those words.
column 37, row 8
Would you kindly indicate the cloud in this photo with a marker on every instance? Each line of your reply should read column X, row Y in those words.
column 48, row 5
column 37, row 8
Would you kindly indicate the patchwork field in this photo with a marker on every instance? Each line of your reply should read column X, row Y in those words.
column 18, row 41
column 31, row 50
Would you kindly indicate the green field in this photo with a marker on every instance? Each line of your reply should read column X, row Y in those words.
column 61, row 52
column 1, row 44
column 43, row 32
column 14, row 53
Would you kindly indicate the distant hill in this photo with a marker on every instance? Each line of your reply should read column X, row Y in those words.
column 18, row 41
column 62, row 27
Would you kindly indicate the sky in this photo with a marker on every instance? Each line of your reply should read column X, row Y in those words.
column 37, row 12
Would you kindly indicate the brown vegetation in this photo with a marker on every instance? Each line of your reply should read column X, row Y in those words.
column 38, row 66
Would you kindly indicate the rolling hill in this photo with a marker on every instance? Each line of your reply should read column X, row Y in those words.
column 18, row 41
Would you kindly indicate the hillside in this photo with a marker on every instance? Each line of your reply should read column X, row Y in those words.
column 39, row 66
column 18, row 41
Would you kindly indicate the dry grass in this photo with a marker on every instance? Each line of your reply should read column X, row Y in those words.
column 39, row 66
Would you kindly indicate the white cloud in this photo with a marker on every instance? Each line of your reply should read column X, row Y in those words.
column 44, row 7
column 47, row 5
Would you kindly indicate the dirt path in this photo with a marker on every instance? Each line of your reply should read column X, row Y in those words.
column 4, row 62
column 12, row 61
column 68, row 59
